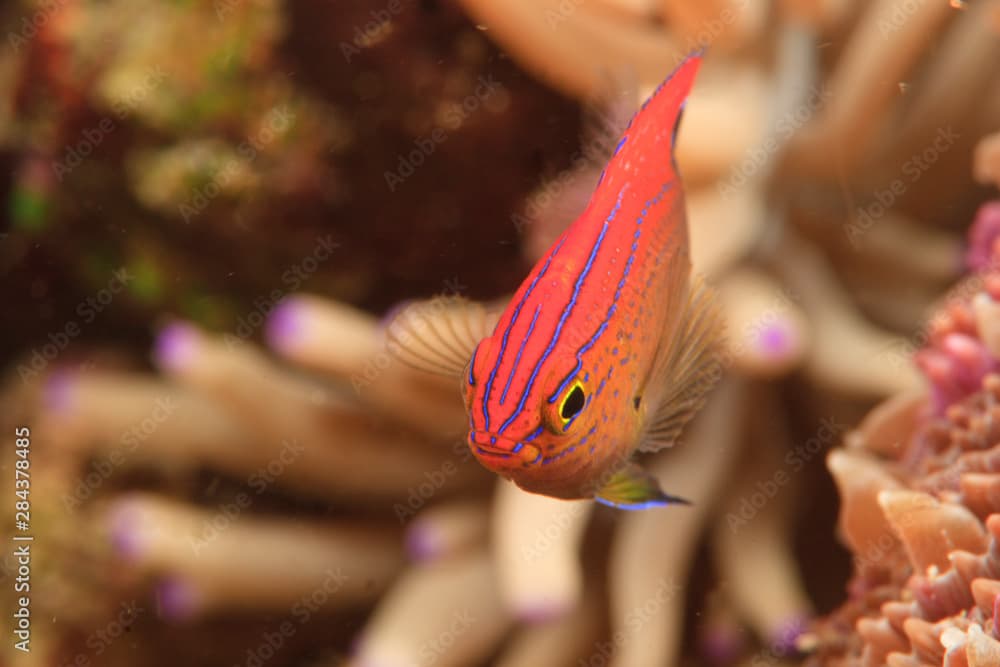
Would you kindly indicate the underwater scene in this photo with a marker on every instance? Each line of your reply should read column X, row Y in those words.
column 500, row 333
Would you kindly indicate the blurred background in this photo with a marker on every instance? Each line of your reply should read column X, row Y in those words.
column 212, row 206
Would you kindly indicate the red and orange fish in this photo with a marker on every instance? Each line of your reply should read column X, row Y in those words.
column 606, row 347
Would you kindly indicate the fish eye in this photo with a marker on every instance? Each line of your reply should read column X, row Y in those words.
column 572, row 402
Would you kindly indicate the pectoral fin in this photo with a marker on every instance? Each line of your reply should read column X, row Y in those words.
column 686, row 370
column 632, row 488
column 439, row 335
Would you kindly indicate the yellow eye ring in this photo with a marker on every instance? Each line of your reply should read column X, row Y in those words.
column 572, row 402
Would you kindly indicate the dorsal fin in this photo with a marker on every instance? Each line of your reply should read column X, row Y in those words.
column 439, row 335
column 607, row 114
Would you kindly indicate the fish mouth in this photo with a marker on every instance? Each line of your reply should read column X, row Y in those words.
column 492, row 444
column 492, row 448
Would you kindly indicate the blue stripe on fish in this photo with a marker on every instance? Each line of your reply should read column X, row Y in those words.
column 520, row 351
column 613, row 309
column 510, row 325
column 566, row 311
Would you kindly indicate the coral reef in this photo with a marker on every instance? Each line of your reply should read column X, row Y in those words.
column 300, row 498
column 920, row 506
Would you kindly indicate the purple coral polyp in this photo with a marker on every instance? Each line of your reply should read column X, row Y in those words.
column 955, row 367
column 982, row 251
column 785, row 640
column 957, row 360
column 176, row 599
column 284, row 326
column 57, row 393
column 175, row 346
column 775, row 340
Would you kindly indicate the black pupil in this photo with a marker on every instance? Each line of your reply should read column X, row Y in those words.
column 573, row 403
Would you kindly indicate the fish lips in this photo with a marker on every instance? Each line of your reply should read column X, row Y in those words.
column 496, row 451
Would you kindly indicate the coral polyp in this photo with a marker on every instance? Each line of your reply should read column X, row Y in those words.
column 920, row 487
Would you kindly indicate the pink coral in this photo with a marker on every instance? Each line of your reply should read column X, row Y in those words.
column 983, row 237
column 921, row 497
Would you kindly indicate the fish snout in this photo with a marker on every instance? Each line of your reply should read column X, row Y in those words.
column 496, row 449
